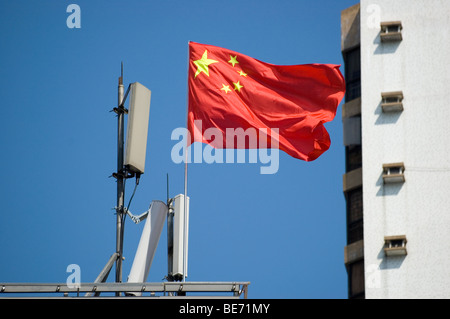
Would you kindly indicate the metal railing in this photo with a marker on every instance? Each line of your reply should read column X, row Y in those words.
column 147, row 289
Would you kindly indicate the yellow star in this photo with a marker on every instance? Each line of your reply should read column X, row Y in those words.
column 238, row 86
column 233, row 60
column 226, row 88
column 202, row 64
column 241, row 73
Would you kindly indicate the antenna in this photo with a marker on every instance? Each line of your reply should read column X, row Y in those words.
column 176, row 210
column 169, row 202
column 130, row 163
column 137, row 128
column 156, row 216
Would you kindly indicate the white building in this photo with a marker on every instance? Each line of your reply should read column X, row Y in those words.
column 397, row 137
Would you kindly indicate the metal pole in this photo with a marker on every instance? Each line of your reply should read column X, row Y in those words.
column 185, row 221
column 169, row 236
column 186, row 183
column 120, row 180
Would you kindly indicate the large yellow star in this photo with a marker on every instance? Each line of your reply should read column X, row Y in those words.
column 233, row 60
column 202, row 64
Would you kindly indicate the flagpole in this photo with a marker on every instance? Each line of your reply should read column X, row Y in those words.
column 185, row 177
column 185, row 221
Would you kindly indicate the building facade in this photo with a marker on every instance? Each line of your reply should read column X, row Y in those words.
column 397, row 141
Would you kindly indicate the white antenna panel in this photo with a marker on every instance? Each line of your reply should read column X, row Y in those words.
column 149, row 241
column 180, row 215
column 137, row 127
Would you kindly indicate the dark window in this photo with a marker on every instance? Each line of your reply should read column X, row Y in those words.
column 355, row 230
column 354, row 205
column 353, row 155
column 353, row 90
column 356, row 279
column 352, row 61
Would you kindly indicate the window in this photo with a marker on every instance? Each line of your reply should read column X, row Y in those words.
column 353, row 156
column 356, row 280
column 352, row 61
column 355, row 227
column 392, row 101
column 355, row 205
column 395, row 245
column 355, row 231
column 391, row 31
column 393, row 173
column 352, row 130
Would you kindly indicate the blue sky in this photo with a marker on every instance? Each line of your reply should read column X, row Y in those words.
column 285, row 233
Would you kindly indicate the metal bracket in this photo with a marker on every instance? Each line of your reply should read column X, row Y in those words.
column 125, row 174
column 121, row 109
column 136, row 219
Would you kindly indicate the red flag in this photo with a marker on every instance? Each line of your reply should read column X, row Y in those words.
column 227, row 89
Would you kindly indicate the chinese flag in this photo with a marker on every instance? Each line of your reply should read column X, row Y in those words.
column 227, row 89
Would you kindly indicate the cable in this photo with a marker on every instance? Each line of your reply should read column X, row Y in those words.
column 124, row 215
column 138, row 176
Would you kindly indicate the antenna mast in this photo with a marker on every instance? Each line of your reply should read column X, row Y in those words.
column 120, row 178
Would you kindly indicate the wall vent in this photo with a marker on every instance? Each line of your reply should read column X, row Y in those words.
column 391, row 31
column 393, row 173
column 395, row 245
column 392, row 101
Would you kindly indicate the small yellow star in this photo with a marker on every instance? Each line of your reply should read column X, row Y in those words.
column 238, row 86
column 233, row 60
column 241, row 73
column 225, row 88
column 202, row 64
